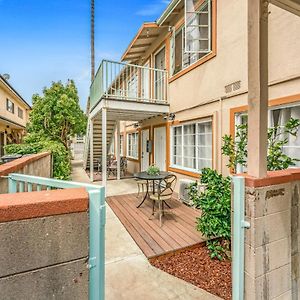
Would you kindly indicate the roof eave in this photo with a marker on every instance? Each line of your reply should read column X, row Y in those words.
column 170, row 8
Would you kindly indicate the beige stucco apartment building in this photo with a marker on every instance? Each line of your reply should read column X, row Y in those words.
column 14, row 113
column 206, row 89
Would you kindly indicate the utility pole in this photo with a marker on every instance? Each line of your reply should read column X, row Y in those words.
column 92, row 40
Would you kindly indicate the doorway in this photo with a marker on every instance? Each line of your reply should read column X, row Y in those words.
column 145, row 153
column 160, row 63
column 160, row 155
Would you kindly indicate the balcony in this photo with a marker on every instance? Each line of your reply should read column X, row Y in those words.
column 127, row 82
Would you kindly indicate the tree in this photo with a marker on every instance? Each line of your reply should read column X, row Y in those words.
column 56, row 115
column 278, row 136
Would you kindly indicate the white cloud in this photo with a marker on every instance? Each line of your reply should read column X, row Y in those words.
column 153, row 9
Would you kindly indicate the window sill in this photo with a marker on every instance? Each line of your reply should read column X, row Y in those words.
column 184, row 172
column 193, row 66
column 132, row 159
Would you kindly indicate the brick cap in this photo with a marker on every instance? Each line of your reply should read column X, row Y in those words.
column 273, row 178
column 20, row 163
column 29, row 205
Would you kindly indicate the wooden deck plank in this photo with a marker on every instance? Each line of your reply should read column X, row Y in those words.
column 142, row 232
column 178, row 230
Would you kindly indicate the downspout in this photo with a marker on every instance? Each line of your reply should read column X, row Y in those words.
column 238, row 246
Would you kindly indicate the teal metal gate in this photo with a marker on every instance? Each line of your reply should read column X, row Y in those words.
column 97, row 218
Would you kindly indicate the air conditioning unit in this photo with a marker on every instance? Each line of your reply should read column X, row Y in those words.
column 184, row 185
column 184, row 191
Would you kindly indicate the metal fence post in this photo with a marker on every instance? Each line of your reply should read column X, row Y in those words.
column 238, row 250
column 96, row 241
column 12, row 186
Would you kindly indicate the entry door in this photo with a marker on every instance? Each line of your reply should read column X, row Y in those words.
column 160, row 155
column 146, row 82
column 160, row 63
column 145, row 154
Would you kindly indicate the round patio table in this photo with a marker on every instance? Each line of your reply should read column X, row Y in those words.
column 145, row 176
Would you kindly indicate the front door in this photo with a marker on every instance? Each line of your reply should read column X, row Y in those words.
column 160, row 155
column 145, row 154
column 159, row 80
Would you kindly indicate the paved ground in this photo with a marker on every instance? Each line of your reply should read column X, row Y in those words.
column 129, row 276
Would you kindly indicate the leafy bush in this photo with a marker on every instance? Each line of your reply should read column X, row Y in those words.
column 215, row 204
column 61, row 156
column 236, row 148
column 153, row 170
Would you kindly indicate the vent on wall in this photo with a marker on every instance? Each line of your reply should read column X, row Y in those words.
column 233, row 87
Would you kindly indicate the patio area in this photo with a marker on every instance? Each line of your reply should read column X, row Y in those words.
column 177, row 232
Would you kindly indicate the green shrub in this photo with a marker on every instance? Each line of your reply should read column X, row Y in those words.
column 61, row 157
column 215, row 204
column 153, row 170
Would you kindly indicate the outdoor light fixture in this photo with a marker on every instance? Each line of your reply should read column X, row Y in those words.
column 136, row 125
column 170, row 117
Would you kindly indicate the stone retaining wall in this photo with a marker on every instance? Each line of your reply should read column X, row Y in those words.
column 36, row 164
column 44, row 245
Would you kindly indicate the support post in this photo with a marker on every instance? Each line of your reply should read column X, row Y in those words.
column 258, row 87
column 118, row 151
column 91, row 150
column 104, row 149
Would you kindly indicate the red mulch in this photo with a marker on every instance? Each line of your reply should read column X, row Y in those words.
column 195, row 266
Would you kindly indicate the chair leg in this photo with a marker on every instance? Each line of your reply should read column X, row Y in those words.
column 160, row 212
column 153, row 207
column 138, row 191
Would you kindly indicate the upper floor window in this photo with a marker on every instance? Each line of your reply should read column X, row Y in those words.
column 191, row 146
column 132, row 145
column 10, row 106
column 192, row 41
column 20, row 113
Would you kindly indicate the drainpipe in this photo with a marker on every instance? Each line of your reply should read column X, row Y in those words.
column 239, row 226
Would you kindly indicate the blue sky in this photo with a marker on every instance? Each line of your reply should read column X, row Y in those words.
column 48, row 40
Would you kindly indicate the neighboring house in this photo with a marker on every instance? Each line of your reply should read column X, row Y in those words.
column 14, row 113
column 205, row 87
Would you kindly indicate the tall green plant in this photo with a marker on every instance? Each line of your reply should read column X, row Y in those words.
column 278, row 136
column 56, row 115
column 215, row 204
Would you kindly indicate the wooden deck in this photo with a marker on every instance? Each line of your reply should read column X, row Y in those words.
column 177, row 232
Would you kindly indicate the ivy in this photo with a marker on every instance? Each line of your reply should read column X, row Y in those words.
column 215, row 204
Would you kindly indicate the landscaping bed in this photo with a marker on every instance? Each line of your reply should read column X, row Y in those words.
column 195, row 266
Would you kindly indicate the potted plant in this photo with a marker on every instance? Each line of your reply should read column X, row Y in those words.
column 153, row 170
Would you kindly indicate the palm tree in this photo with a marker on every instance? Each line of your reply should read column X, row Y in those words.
column 92, row 40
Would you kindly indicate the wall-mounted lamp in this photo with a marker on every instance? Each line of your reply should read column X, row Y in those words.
column 135, row 125
column 170, row 117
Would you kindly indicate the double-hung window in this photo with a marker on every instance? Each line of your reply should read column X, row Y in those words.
column 278, row 116
column 10, row 106
column 121, row 144
column 193, row 40
column 20, row 113
column 191, row 146
column 133, row 145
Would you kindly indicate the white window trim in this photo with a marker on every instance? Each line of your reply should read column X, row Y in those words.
column 137, row 146
column 174, row 166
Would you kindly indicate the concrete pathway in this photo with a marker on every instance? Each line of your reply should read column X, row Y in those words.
column 129, row 276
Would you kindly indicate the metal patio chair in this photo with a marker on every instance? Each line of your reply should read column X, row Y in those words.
column 164, row 193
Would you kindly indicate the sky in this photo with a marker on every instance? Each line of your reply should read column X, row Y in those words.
column 49, row 40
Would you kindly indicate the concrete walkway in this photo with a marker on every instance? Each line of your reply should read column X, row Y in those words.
column 128, row 273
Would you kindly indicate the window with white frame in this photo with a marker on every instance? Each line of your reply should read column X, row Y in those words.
column 10, row 106
column 278, row 116
column 111, row 149
column 193, row 40
column 133, row 145
column 191, row 146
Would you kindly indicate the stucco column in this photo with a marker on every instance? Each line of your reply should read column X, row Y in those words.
column 258, row 87
column 118, row 151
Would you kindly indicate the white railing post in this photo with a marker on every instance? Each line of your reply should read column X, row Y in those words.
column 118, row 151
column 104, row 148
column 91, row 150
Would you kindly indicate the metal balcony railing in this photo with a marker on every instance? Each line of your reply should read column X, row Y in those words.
column 121, row 81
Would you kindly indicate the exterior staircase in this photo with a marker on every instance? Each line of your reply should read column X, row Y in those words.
column 97, row 130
